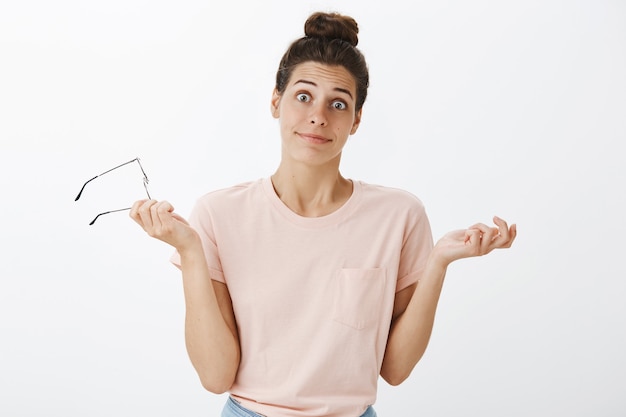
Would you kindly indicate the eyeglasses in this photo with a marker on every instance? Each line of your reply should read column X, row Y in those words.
column 145, row 186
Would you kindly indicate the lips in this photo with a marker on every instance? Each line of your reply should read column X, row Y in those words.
column 314, row 139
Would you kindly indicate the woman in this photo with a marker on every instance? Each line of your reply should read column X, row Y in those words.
column 303, row 287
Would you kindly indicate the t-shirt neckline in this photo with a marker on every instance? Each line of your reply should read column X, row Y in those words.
column 330, row 219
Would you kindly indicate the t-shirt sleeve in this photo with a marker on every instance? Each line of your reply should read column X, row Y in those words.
column 417, row 245
column 201, row 220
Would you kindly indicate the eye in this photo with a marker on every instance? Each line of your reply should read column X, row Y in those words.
column 339, row 105
column 303, row 97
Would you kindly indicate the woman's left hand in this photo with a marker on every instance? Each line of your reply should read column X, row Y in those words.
column 477, row 240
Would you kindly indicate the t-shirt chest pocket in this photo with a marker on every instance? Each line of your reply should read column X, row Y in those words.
column 358, row 296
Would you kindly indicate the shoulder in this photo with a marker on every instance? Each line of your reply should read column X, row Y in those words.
column 390, row 197
column 222, row 205
column 230, row 196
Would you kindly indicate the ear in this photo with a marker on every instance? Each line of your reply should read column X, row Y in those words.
column 275, row 104
column 357, row 121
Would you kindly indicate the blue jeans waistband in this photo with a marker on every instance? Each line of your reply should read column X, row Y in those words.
column 233, row 409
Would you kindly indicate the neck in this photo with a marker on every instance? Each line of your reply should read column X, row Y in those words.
column 311, row 191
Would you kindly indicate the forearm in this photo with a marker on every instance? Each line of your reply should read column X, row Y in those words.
column 410, row 332
column 212, row 344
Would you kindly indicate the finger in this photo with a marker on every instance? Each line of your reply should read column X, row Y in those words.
column 163, row 211
column 506, row 234
column 503, row 228
column 487, row 236
column 158, row 215
column 134, row 210
column 482, row 227
column 512, row 235
column 145, row 214
column 165, row 207
column 472, row 240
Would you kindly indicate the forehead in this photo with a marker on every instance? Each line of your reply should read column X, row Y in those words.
column 325, row 76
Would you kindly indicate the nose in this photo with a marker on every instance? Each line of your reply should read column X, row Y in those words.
column 318, row 115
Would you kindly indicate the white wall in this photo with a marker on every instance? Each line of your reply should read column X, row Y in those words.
column 478, row 107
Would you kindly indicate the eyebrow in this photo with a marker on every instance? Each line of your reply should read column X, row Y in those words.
column 339, row 89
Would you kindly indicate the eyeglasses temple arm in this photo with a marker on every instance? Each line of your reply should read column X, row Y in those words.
column 83, row 187
column 107, row 212
column 106, row 172
column 121, row 165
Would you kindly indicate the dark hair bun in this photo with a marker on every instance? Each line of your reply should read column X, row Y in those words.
column 332, row 26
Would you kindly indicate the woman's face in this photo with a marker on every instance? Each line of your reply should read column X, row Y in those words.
column 316, row 113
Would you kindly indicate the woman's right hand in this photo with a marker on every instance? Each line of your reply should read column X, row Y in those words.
column 159, row 221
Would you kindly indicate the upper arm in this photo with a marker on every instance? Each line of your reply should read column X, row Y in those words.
column 401, row 301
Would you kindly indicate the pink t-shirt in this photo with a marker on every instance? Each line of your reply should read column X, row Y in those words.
column 313, row 297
